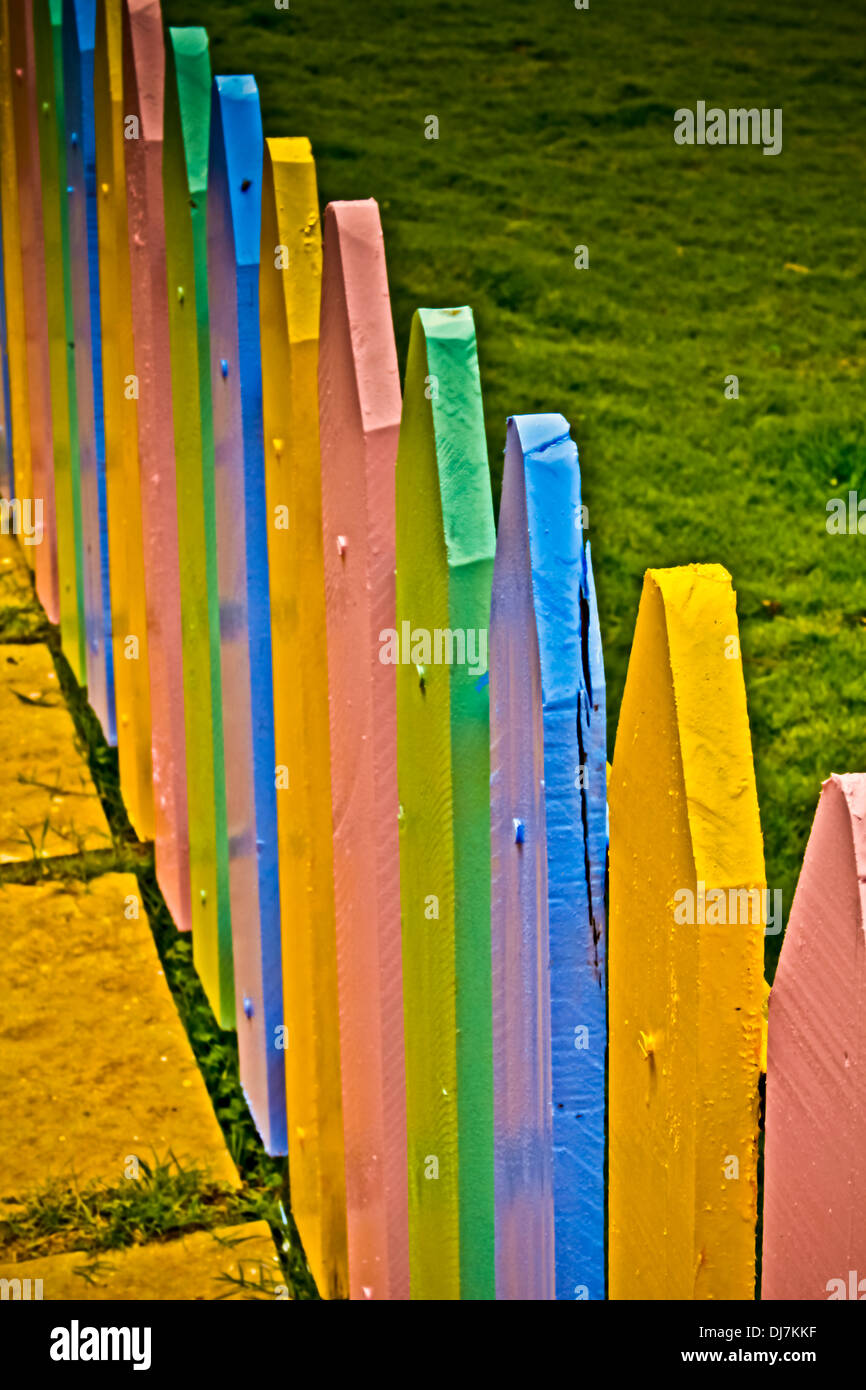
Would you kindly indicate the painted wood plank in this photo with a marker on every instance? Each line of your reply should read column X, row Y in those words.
column 814, row 1211
column 685, row 995
column 234, row 232
column 521, row 977
column 7, row 472
column 187, row 136
column 359, row 413
column 79, row 33
column 548, row 879
column 291, row 280
column 122, row 479
column 22, row 55
column 16, row 361
column 144, row 90
column 47, row 20
column 445, row 545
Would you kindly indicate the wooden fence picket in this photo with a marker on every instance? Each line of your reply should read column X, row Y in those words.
column 28, row 125
column 144, row 87
column 234, row 231
column 20, row 484
column 50, row 104
column 290, row 288
column 686, row 993
column 445, row 544
column 79, row 37
column 122, row 477
column 814, row 1217
column 185, row 167
column 359, row 413
column 548, row 933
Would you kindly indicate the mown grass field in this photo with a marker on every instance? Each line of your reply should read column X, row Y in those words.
column 556, row 129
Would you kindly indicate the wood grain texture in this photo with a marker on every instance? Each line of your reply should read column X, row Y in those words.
column 549, row 840
column 79, row 32
column 359, row 413
column 50, row 109
column 122, row 476
column 290, row 287
column 685, row 995
column 144, row 90
column 519, row 928
column 22, row 55
column 814, row 1213
column 234, row 234
column 445, row 545
column 566, row 620
column 187, row 136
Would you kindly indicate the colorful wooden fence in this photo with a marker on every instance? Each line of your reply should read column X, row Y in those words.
column 281, row 582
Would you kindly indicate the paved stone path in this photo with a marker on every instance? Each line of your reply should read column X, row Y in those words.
column 97, row 1067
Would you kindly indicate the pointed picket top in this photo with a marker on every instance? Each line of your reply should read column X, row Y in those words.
column 547, row 725
column 188, row 53
column 359, row 413
column 144, row 66
column 233, row 232
column 237, row 114
column 79, row 36
column 81, row 16
column 814, row 1224
column 290, row 289
column 686, row 984
column 445, row 544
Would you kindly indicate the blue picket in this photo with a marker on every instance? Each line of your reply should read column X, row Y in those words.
column 79, row 37
column 234, row 227
column 549, row 829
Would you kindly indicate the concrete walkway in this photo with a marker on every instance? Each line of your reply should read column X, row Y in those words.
column 98, row 1074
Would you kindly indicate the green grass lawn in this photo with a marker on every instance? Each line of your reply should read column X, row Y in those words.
column 556, row 129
